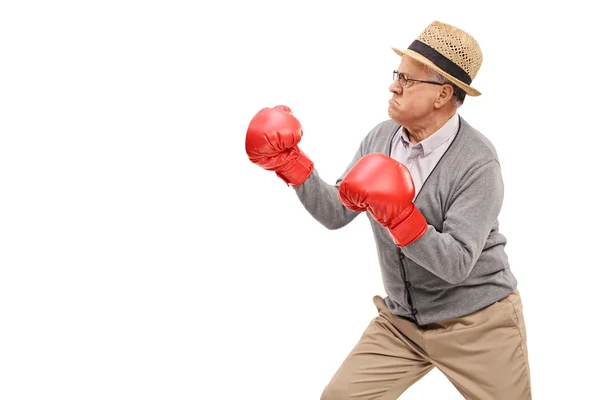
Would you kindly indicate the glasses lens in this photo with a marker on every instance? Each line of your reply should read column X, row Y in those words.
column 402, row 80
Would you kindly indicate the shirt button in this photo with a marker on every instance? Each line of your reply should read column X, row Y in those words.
column 410, row 160
column 407, row 284
column 414, row 312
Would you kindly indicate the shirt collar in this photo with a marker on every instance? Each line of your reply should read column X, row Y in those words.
column 437, row 139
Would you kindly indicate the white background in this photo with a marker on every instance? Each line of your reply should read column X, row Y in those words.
column 142, row 256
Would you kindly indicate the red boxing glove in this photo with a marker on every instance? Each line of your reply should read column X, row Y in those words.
column 383, row 186
column 272, row 143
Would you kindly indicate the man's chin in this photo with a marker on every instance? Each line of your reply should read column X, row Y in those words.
column 393, row 114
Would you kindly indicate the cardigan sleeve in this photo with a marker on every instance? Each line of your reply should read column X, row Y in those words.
column 452, row 253
column 321, row 199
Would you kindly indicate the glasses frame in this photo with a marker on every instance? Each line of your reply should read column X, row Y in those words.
column 397, row 75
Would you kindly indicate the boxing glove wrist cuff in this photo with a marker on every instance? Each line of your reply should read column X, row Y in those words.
column 409, row 230
column 297, row 170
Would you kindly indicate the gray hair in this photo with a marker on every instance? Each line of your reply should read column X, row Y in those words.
column 459, row 95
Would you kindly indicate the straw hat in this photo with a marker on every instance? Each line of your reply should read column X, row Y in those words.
column 449, row 51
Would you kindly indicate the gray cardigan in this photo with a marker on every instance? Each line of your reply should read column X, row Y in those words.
column 459, row 265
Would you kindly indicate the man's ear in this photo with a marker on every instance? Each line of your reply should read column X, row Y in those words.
column 444, row 96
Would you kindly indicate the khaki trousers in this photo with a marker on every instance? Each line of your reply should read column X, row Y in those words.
column 483, row 354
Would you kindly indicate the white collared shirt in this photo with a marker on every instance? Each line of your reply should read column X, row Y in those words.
column 421, row 158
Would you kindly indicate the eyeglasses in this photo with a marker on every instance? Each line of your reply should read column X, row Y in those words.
column 403, row 79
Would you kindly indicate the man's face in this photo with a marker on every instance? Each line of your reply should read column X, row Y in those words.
column 414, row 102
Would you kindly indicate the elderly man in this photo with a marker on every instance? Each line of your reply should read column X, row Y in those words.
column 432, row 189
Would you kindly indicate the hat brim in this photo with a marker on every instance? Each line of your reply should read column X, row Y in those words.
column 414, row 55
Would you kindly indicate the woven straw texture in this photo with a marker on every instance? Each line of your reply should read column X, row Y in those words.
column 458, row 46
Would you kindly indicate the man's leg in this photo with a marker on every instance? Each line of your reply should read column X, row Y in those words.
column 484, row 354
column 385, row 362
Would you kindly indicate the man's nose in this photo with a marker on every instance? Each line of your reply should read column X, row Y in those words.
column 395, row 87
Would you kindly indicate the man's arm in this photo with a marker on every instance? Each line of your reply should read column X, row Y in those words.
column 452, row 253
column 321, row 199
